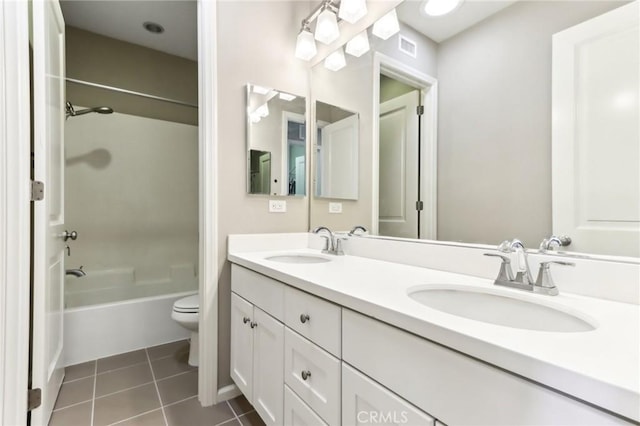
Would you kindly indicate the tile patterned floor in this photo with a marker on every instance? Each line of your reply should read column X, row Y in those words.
column 149, row 387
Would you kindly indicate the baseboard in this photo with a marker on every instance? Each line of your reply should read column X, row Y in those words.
column 228, row 392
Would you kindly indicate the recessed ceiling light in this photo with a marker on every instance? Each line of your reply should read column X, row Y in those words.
column 440, row 7
column 153, row 27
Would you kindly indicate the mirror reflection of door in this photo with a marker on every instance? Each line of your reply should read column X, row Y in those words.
column 260, row 171
column 399, row 151
column 294, row 150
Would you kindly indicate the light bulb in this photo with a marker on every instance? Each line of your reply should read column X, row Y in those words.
column 327, row 27
column 359, row 45
column 440, row 7
column 305, row 45
column 386, row 26
column 335, row 61
column 352, row 10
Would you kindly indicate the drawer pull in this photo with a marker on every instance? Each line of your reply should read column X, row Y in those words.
column 246, row 320
column 253, row 324
column 305, row 374
column 304, row 318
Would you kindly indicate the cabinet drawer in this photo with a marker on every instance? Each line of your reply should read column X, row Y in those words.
column 365, row 402
column 314, row 318
column 264, row 292
column 321, row 388
column 297, row 413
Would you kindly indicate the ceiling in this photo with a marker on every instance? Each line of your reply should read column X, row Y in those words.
column 123, row 20
column 440, row 28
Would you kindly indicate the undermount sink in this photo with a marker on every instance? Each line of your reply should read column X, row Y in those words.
column 496, row 307
column 298, row 258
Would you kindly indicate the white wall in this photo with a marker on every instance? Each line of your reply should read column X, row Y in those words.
column 494, row 123
column 131, row 193
column 256, row 45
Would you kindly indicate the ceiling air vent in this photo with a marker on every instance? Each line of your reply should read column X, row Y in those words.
column 407, row 46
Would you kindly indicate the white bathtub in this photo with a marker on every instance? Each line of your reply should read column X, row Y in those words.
column 98, row 331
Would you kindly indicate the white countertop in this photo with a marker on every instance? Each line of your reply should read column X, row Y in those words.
column 601, row 366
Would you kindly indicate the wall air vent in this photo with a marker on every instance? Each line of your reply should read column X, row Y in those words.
column 407, row 46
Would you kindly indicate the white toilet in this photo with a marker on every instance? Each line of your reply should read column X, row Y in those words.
column 185, row 312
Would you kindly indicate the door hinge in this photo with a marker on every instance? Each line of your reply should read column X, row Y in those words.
column 419, row 205
column 34, row 398
column 37, row 190
column 420, row 110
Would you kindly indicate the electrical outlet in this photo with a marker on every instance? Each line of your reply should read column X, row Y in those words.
column 277, row 206
column 335, row 207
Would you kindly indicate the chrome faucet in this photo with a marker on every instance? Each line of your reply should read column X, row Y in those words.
column 523, row 280
column 355, row 229
column 79, row 273
column 332, row 244
column 553, row 241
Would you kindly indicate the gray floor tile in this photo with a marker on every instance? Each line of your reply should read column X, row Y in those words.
column 251, row 419
column 170, row 366
column 79, row 371
column 240, row 405
column 154, row 418
column 123, row 378
column 125, row 404
column 75, row 392
column 78, row 415
column 122, row 360
column 191, row 413
column 168, row 349
column 179, row 387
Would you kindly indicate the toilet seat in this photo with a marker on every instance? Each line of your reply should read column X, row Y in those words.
column 187, row 305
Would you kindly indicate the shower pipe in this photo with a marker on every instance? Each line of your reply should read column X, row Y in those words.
column 130, row 92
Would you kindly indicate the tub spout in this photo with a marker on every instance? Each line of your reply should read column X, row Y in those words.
column 79, row 273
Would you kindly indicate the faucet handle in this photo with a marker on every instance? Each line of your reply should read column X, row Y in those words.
column 327, row 243
column 544, row 275
column 338, row 249
column 505, row 274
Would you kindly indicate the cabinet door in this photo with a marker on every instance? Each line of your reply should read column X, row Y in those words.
column 297, row 413
column 365, row 402
column 242, row 345
column 268, row 368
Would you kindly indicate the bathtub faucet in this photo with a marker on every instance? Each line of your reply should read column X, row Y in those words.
column 79, row 273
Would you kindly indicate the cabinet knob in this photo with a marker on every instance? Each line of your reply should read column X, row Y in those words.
column 246, row 320
column 304, row 318
column 253, row 324
column 305, row 374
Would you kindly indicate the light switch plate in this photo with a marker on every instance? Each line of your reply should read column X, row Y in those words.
column 335, row 207
column 277, row 206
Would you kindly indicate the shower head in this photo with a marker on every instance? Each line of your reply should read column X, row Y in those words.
column 71, row 112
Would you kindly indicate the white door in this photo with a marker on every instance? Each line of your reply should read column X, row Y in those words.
column 268, row 368
column 365, row 402
column 301, row 181
column 596, row 140
column 340, row 159
column 398, row 173
column 265, row 174
column 242, row 345
column 48, row 250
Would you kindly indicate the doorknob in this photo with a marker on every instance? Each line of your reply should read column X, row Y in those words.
column 66, row 235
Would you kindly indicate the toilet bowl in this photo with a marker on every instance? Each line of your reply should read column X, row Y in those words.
column 186, row 312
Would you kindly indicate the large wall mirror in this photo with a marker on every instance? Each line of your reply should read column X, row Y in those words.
column 276, row 142
column 529, row 125
column 336, row 152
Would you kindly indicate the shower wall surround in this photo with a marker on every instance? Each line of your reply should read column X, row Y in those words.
column 131, row 193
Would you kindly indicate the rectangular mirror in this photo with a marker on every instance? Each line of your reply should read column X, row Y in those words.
column 492, row 79
column 336, row 152
column 276, row 142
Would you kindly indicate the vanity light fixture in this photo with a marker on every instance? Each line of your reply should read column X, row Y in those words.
column 359, row 45
column 352, row 10
column 335, row 61
column 327, row 26
column 440, row 7
column 305, row 43
column 386, row 26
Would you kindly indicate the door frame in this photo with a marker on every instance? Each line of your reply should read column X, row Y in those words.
column 15, row 175
column 15, row 172
column 428, row 87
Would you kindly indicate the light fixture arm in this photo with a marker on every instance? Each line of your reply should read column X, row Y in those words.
column 326, row 4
